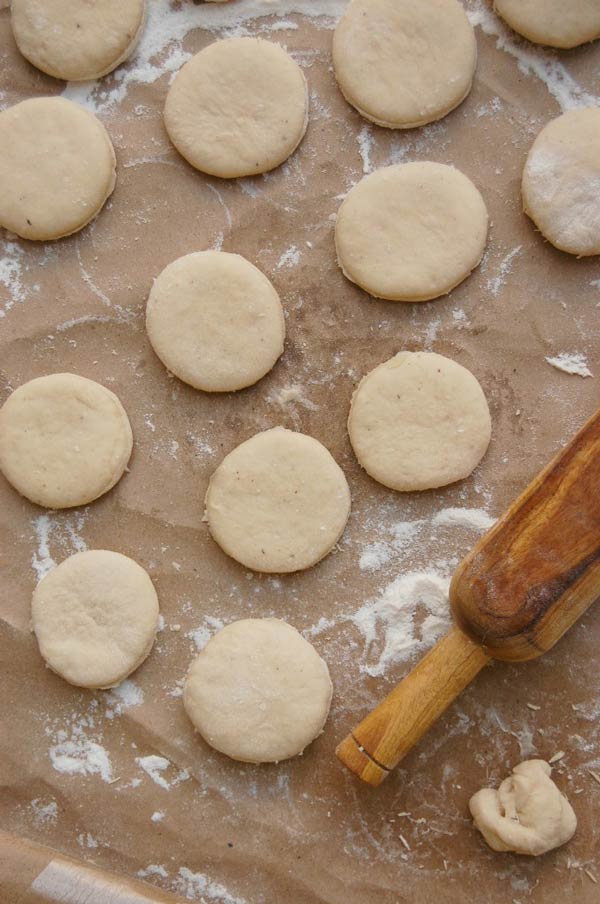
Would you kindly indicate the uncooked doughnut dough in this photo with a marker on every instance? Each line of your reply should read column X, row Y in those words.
column 278, row 502
column 215, row 321
column 419, row 421
column 258, row 691
column 64, row 440
column 403, row 63
column 95, row 618
column 557, row 23
column 57, row 168
column 238, row 108
column 527, row 814
column 411, row 232
column 77, row 39
column 561, row 182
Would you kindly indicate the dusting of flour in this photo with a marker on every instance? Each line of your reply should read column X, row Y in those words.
column 571, row 363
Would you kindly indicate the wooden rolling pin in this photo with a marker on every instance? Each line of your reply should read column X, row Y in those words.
column 522, row 586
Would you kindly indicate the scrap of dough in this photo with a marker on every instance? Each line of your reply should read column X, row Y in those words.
column 403, row 63
column 215, row 321
column 238, row 108
column 278, row 502
column 561, row 182
column 57, row 168
column 411, row 232
column 258, row 691
column 75, row 39
column 556, row 23
column 64, row 440
column 527, row 814
column 419, row 421
column 95, row 618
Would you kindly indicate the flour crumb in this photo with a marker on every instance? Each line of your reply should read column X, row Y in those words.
column 153, row 869
column 473, row 519
column 198, row 887
column 366, row 142
column 573, row 363
column 44, row 813
column 290, row 258
column 158, row 816
column 154, row 766
column 80, row 756
column 122, row 697
column 504, row 269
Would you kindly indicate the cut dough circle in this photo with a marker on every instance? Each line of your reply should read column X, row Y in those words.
column 75, row 39
column 95, row 618
column 215, row 321
column 556, row 23
column 419, row 421
column 64, row 440
column 238, row 108
column 278, row 503
column 403, row 63
column 57, row 168
column 561, row 182
column 411, row 232
column 258, row 692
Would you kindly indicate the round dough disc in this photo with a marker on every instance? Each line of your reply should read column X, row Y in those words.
column 215, row 321
column 411, row 232
column 95, row 617
column 278, row 502
column 76, row 39
column 556, row 23
column 561, row 182
column 57, row 168
column 258, row 691
column 64, row 440
column 419, row 421
column 403, row 63
column 238, row 108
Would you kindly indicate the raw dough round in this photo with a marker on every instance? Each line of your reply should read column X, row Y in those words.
column 278, row 502
column 57, row 168
column 77, row 39
column 419, row 421
column 411, row 232
column 95, row 618
column 258, row 691
column 403, row 63
column 64, row 440
column 215, row 321
column 556, row 23
column 238, row 108
column 561, row 182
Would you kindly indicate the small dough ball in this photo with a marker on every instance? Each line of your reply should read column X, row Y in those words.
column 258, row 691
column 419, row 421
column 403, row 63
column 411, row 232
column 215, row 321
column 64, row 440
column 95, row 617
column 556, row 23
column 561, row 182
column 278, row 502
column 238, row 108
column 57, row 168
column 527, row 814
column 77, row 39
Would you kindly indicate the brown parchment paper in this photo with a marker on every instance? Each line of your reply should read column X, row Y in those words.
column 305, row 830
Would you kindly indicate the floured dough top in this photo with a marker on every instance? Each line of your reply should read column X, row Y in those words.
column 557, row 23
column 238, row 108
column 258, row 691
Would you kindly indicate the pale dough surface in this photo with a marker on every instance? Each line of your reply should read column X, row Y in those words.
column 561, row 182
column 527, row 814
column 403, row 63
column 419, row 421
column 95, row 618
column 215, row 321
column 557, row 23
column 64, row 440
column 278, row 503
column 77, row 39
column 258, row 691
column 411, row 232
column 238, row 108
column 57, row 168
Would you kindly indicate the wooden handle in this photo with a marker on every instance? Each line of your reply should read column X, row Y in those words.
column 388, row 733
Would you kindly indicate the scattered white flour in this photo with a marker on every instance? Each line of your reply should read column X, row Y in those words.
column 203, row 634
column 571, row 363
column 11, row 272
column 154, row 766
column 201, row 447
column 497, row 282
column 474, row 519
column 153, row 869
column 44, row 813
column 84, row 839
column 64, row 530
column 198, row 887
column 80, row 756
column 291, row 394
column 122, row 697
column 158, row 816
column 290, row 258
column 366, row 142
